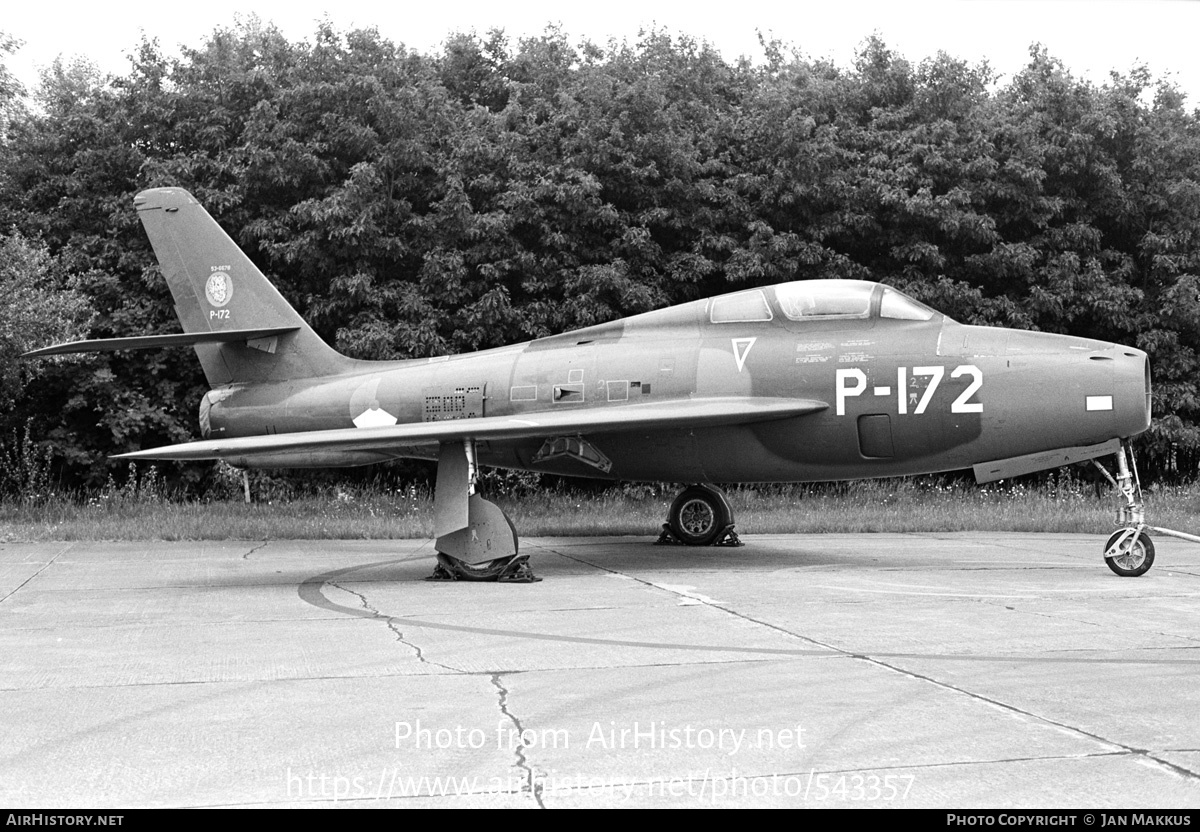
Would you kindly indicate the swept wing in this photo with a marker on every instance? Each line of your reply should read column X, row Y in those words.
column 682, row 413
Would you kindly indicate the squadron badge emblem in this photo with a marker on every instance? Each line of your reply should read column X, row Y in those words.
column 219, row 288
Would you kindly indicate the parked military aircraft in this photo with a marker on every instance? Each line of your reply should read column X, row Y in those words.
column 803, row 381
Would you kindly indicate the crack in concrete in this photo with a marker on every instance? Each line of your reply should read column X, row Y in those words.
column 1123, row 748
column 698, row 601
column 391, row 622
column 1004, row 706
column 1052, row 616
column 255, row 549
column 1095, row 755
column 532, row 786
column 45, row 566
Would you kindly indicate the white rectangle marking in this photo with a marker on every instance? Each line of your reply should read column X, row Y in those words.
column 883, row 391
column 1099, row 403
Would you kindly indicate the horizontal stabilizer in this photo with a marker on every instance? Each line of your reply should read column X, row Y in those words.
column 1002, row 469
column 681, row 413
column 146, row 342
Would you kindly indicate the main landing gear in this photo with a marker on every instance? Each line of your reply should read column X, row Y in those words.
column 699, row 516
column 477, row 542
column 475, row 539
column 1130, row 551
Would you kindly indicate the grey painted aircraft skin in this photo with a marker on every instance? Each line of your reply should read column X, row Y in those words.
column 803, row 381
column 1031, row 393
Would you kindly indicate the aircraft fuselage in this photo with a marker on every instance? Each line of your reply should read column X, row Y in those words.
column 905, row 395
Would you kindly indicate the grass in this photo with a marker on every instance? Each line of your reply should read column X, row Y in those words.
column 928, row 504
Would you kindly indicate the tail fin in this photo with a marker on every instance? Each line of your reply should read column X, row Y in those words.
column 216, row 288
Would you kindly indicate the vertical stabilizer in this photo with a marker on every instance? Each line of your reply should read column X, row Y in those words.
column 216, row 288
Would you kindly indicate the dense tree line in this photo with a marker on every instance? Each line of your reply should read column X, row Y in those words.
column 410, row 205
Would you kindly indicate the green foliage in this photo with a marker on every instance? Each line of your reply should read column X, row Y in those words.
column 25, row 469
column 411, row 205
column 922, row 504
column 37, row 308
column 498, row 482
column 11, row 90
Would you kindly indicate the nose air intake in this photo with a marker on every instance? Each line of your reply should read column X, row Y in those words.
column 1146, row 373
column 1133, row 391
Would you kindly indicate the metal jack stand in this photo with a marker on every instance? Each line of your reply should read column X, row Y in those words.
column 1130, row 551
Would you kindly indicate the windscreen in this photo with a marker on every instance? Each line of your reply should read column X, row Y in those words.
column 808, row 299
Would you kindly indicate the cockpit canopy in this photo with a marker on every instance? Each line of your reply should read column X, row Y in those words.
column 811, row 300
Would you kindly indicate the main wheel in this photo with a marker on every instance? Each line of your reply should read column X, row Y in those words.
column 1136, row 555
column 698, row 516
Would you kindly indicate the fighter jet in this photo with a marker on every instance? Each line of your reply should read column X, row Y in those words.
column 806, row 381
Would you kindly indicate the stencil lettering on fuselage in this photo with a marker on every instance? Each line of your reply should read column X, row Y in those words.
column 449, row 402
column 814, row 352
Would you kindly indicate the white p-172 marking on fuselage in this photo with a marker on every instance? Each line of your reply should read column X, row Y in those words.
column 852, row 382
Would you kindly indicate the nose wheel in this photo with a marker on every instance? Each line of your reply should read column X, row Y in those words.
column 1130, row 551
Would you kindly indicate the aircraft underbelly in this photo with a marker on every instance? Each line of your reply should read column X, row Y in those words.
column 647, row 456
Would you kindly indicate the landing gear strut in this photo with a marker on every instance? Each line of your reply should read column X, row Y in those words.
column 1130, row 551
column 475, row 539
column 700, row 516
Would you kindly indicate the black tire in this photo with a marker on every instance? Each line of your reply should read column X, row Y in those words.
column 1136, row 557
column 698, row 516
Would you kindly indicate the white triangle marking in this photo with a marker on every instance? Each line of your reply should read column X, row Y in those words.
column 741, row 349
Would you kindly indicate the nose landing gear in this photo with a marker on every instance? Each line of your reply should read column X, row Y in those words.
column 1130, row 551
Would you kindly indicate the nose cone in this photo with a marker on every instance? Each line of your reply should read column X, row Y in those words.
column 1131, row 391
column 1073, row 391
